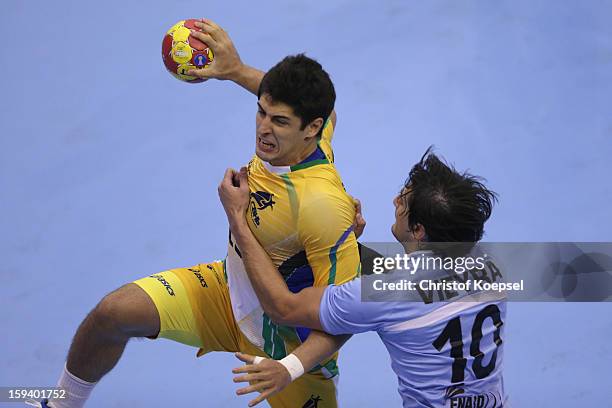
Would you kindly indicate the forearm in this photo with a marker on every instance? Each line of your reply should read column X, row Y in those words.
column 248, row 77
column 269, row 285
column 268, row 376
column 318, row 347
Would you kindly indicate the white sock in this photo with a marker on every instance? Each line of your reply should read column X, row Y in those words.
column 77, row 391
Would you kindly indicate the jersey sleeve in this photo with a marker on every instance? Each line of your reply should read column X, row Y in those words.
column 343, row 312
column 326, row 139
column 326, row 232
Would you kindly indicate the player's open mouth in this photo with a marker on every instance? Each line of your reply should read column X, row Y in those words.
column 266, row 147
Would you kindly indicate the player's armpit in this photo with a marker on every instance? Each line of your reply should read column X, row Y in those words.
column 327, row 135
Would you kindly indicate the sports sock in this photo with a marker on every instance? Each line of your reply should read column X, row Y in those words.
column 77, row 391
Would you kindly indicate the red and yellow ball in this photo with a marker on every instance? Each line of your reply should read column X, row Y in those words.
column 182, row 52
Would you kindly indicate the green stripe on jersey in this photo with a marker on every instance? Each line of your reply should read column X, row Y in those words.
column 332, row 255
column 309, row 164
column 293, row 200
column 274, row 346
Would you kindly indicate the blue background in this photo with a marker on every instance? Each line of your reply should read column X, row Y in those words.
column 109, row 166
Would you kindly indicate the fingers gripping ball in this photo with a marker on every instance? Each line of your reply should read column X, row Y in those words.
column 182, row 52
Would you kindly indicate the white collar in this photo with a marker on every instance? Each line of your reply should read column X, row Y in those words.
column 276, row 169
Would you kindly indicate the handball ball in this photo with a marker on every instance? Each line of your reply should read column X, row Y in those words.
column 182, row 52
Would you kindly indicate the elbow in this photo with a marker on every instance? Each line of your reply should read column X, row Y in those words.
column 282, row 313
column 283, row 320
column 280, row 320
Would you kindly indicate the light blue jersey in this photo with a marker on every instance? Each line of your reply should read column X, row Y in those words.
column 445, row 353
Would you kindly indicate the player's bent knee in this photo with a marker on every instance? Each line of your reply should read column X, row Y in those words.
column 127, row 312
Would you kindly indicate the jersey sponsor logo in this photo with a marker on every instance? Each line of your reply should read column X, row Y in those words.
column 487, row 400
column 165, row 283
column 454, row 390
column 313, row 402
column 260, row 200
column 263, row 199
column 198, row 275
column 214, row 273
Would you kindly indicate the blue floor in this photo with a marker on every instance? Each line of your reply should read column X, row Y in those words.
column 109, row 166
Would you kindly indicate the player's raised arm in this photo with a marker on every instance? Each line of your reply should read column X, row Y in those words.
column 226, row 64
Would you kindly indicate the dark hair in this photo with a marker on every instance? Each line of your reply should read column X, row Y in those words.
column 451, row 206
column 301, row 83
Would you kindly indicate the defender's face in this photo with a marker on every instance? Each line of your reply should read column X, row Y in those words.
column 279, row 138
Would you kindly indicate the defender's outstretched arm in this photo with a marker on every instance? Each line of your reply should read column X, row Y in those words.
column 270, row 376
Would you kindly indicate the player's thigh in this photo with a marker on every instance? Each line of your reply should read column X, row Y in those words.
column 308, row 391
column 128, row 310
column 194, row 307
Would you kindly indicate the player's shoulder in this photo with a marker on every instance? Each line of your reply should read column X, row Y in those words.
column 255, row 165
column 324, row 193
column 325, row 210
column 318, row 180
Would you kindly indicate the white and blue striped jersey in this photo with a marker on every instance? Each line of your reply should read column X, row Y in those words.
column 445, row 353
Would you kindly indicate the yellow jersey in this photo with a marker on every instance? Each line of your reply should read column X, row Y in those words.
column 303, row 218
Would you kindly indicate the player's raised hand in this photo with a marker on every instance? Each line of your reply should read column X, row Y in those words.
column 360, row 223
column 266, row 377
column 226, row 63
column 234, row 194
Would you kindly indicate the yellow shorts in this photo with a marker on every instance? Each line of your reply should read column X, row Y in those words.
column 195, row 309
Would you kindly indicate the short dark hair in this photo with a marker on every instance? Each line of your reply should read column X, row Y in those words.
column 451, row 206
column 303, row 84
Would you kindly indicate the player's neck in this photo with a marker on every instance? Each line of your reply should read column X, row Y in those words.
column 300, row 157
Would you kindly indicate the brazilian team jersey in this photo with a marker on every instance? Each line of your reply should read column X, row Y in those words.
column 303, row 218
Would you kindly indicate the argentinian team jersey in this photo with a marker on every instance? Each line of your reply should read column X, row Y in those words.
column 445, row 353
column 303, row 218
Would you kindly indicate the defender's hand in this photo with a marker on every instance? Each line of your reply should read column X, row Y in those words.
column 226, row 63
column 360, row 223
column 234, row 194
column 267, row 377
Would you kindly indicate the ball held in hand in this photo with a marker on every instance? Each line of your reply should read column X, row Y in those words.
column 182, row 52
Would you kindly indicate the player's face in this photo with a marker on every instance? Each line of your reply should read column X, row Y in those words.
column 280, row 141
